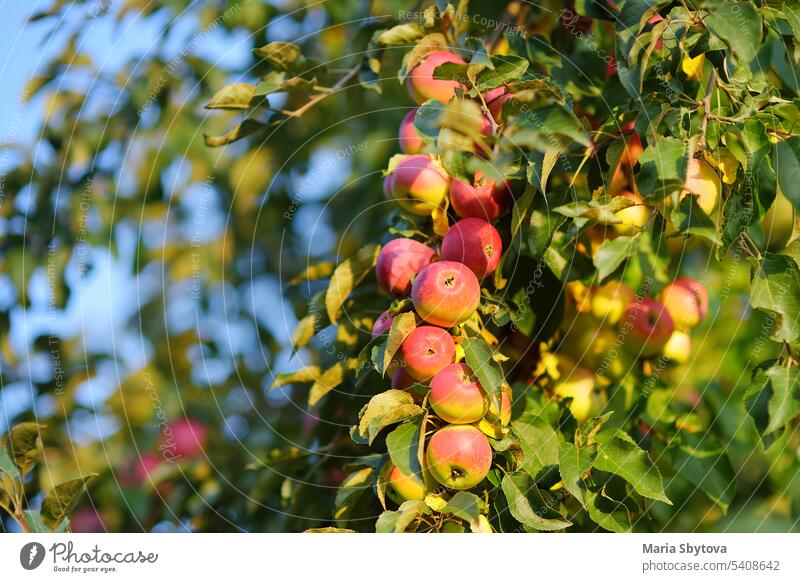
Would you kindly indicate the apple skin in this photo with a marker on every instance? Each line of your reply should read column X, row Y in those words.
column 426, row 351
column 505, row 405
column 456, row 395
column 579, row 385
column 421, row 84
column 703, row 181
column 458, row 456
column 408, row 136
column 496, row 106
column 492, row 94
column 609, row 301
column 475, row 243
column 633, row 149
column 398, row 261
column 679, row 347
column 419, row 184
column 649, row 327
column 687, row 302
column 382, row 324
column 405, row 487
column 482, row 199
column 446, row 293
column 633, row 217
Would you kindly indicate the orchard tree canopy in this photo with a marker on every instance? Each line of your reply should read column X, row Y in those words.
column 406, row 266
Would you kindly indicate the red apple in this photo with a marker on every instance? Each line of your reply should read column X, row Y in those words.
column 405, row 487
column 409, row 138
column 426, row 351
column 419, row 184
column 421, row 83
column 482, row 199
column 459, row 456
column 382, row 324
column 446, row 293
column 399, row 260
column 687, row 302
column 475, row 243
column 649, row 327
column 456, row 395
column 184, row 438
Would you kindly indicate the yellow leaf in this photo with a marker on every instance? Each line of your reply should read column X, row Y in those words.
column 693, row 67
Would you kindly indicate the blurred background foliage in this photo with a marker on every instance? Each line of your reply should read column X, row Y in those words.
column 144, row 276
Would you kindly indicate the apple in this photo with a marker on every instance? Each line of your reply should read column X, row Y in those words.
column 496, row 106
column 482, row 199
column 382, row 324
column 446, row 293
column 398, row 261
column 409, row 138
column 648, row 326
column 505, row 405
column 601, row 350
column 492, row 94
column 475, row 243
column 419, row 184
column 608, row 302
column 421, row 83
column 184, row 438
column 405, row 487
column 136, row 472
column 634, row 217
column 703, row 181
column 426, row 351
column 679, row 347
column 456, row 395
column 687, row 302
column 458, row 456
column 633, row 149
column 579, row 385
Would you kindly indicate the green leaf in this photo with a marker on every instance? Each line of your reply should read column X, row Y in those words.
column 617, row 453
column 385, row 409
column 347, row 276
column 543, row 225
column 527, row 505
column 403, row 446
column 402, row 325
column 689, row 218
column 703, row 461
column 612, row 253
column 507, row 68
column 246, row 128
column 7, row 466
column 737, row 216
column 398, row 521
column 329, row 530
column 787, row 167
column 284, row 56
column 60, row 501
column 313, row 273
column 780, row 386
column 776, row 290
column 539, row 442
column 24, row 444
column 302, row 376
column 480, row 359
column 663, row 166
column 235, row 96
column 402, row 34
column 466, row 506
column 352, row 494
column 323, row 384
column 34, row 521
column 738, row 24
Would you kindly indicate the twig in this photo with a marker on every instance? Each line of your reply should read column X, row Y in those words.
column 317, row 98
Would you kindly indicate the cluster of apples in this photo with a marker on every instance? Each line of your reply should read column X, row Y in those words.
column 611, row 328
column 443, row 282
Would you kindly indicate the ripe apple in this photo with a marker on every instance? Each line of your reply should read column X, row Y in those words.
column 409, row 138
column 419, row 184
column 703, row 181
column 426, row 351
column 505, row 405
column 609, row 301
column 456, row 395
column 679, row 347
column 687, row 302
column 633, row 149
column 399, row 260
column 382, row 323
column 475, row 243
column 579, row 384
column 421, row 83
column 403, row 487
column 648, row 325
column 482, row 199
column 458, row 456
column 496, row 106
column 634, row 217
column 446, row 293
column 492, row 94
column 184, row 438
